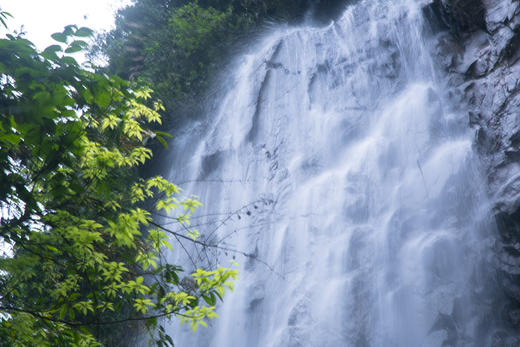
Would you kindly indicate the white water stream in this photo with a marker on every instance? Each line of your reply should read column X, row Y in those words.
column 353, row 177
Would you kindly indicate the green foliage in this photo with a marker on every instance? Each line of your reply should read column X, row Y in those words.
column 80, row 251
column 195, row 30
column 174, row 53
column 3, row 18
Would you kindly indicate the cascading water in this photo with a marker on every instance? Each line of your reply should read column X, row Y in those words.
column 336, row 160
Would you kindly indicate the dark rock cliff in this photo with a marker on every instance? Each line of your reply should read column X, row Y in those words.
column 479, row 45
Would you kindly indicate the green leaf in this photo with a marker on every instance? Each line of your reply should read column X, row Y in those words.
column 219, row 296
column 3, row 16
column 73, row 49
column 53, row 249
column 12, row 138
column 69, row 29
column 162, row 141
column 70, row 61
column 60, row 37
column 210, row 300
column 101, row 97
column 162, row 133
column 169, row 339
column 84, row 32
column 79, row 43
column 63, row 311
column 50, row 52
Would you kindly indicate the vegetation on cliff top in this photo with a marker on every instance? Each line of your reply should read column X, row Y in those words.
column 175, row 45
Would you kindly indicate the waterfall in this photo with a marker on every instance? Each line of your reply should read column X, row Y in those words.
column 338, row 161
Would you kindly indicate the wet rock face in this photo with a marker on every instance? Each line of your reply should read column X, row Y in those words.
column 483, row 65
column 479, row 45
column 324, row 11
column 461, row 16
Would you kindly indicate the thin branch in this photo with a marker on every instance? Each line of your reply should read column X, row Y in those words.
column 185, row 250
column 80, row 324
column 226, row 249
